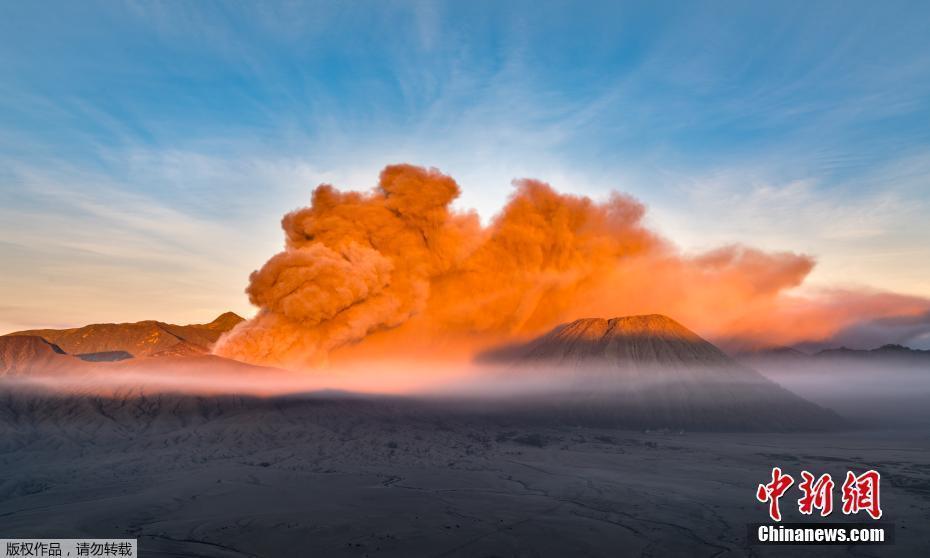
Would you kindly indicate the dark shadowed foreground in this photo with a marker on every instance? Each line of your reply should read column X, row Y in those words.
column 333, row 475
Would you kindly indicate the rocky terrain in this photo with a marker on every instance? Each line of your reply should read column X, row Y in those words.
column 139, row 339
column 29, row 356
column 336, row 475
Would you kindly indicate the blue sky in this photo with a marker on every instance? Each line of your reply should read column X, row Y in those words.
column 148, row 150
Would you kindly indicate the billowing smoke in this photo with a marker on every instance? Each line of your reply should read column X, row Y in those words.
column 397, row 271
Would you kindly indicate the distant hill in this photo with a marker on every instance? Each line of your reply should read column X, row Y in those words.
column 31, row 360
column 889, row 353
column 146, row 338
column 898, row 352
column 25, row 355
column 775, row 352
column 652, row 371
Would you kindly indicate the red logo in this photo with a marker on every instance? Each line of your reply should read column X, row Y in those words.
column 772, row 491
column 817, row 494
column 860, row 493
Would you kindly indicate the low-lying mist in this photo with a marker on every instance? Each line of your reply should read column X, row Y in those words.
column 869, row 394
column 690, row 398
column 442, row 379
column 866, row 394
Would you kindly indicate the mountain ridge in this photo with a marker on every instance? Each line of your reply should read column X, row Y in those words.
column 887, row 351
column 25, row 355
column 139, row 339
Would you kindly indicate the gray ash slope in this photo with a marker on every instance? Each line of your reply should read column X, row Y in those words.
column 348, row 477
column 652, row 372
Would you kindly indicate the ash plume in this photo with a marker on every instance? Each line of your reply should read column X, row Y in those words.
column 398, row 271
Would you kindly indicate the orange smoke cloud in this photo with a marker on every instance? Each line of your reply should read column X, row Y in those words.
column 397, row 270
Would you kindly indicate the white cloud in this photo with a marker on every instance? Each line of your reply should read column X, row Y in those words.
column 865, row 232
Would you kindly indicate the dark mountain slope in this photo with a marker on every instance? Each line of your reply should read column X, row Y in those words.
column 650, row 371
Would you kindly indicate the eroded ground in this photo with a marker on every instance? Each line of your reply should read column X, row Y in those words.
column 315, row 478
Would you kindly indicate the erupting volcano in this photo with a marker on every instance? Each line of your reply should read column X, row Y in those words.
column 401, row 269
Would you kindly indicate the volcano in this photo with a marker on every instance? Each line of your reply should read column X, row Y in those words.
column 625, row 342
column 651, row 371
